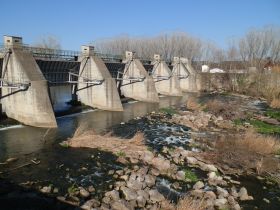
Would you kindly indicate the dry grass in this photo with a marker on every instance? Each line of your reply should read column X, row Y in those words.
column 248, row 152
column 259, row 144
column 276, row 69
column 107, row 142
column 188, row 203
column 192, row 104
column 275, row 103
column 227, row 111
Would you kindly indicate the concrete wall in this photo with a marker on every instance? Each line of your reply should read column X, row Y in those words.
column 104, row 96
column 141, row 91
column 170, row 86
column 33, row 106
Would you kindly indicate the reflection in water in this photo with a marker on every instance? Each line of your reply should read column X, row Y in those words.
column 25, row 140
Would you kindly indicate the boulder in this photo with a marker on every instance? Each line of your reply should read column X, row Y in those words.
column 180, row 175
column 161, row 164
column 192, row 160
column 83, row 192
column 134, row 184
column 150, row 180
column 222, row 192
column 129, row 194
column 198, row 185
column 46, row 189
column 120, row 205
column 141, row 201
column 155, row 196
column 243, row 195
column 147, row 157
column 220, row 203
column 114, row 195
column 197, row 193
column 92, row 203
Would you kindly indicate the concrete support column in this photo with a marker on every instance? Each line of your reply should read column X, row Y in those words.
column 29, row 101
column 136, row 82
column 96, row 87
column 165, row 82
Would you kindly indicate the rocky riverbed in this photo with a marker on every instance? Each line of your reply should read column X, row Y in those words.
column 164, row 160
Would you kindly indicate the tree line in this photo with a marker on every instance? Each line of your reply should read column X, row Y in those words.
column 255, row 48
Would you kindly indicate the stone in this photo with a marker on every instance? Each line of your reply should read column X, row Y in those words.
column 55, row 190
column 134, row 184
column 91, row 189
column 143, row 193
column 236, row 207
column 147, row 156
column 185, row 153
column 243, row 194
column 198, row 185
column 84, row 193
column 106, row 200
column 92, row 203
column 150, row 180
column 143, row 171
column 180, row 175
column 192, row 160
column 119, row 205
column 111, row 172
column 124, row 177
column 197, row 193
column 220, row 203
column 129, row 194
column 210, row 167
column 212, row 175
column 222, row 192
column 46, row 189
column 234, row 192
column 155, row 196
column 235, row 182
column 155, row 172
column 161, row 164
column 266, row 200
column 104, row 206
column 176, row 186
column 141, row 201
column 210, row 195
column 114, row 195
column 119, row 172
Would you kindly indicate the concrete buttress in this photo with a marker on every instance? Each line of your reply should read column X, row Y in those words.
column 136, row 82
column 186, row 74
column 96, row 87
column 165, row 82
column 25, row 95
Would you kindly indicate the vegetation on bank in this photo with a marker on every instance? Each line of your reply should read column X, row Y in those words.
column 273, row 114
column 260, row 126
column 190, row 175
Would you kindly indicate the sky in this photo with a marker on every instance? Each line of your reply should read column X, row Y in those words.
column 78, row 22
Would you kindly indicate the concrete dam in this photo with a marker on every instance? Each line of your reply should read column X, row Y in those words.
column 96, row 80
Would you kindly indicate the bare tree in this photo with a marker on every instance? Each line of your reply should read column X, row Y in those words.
column 48, row 42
